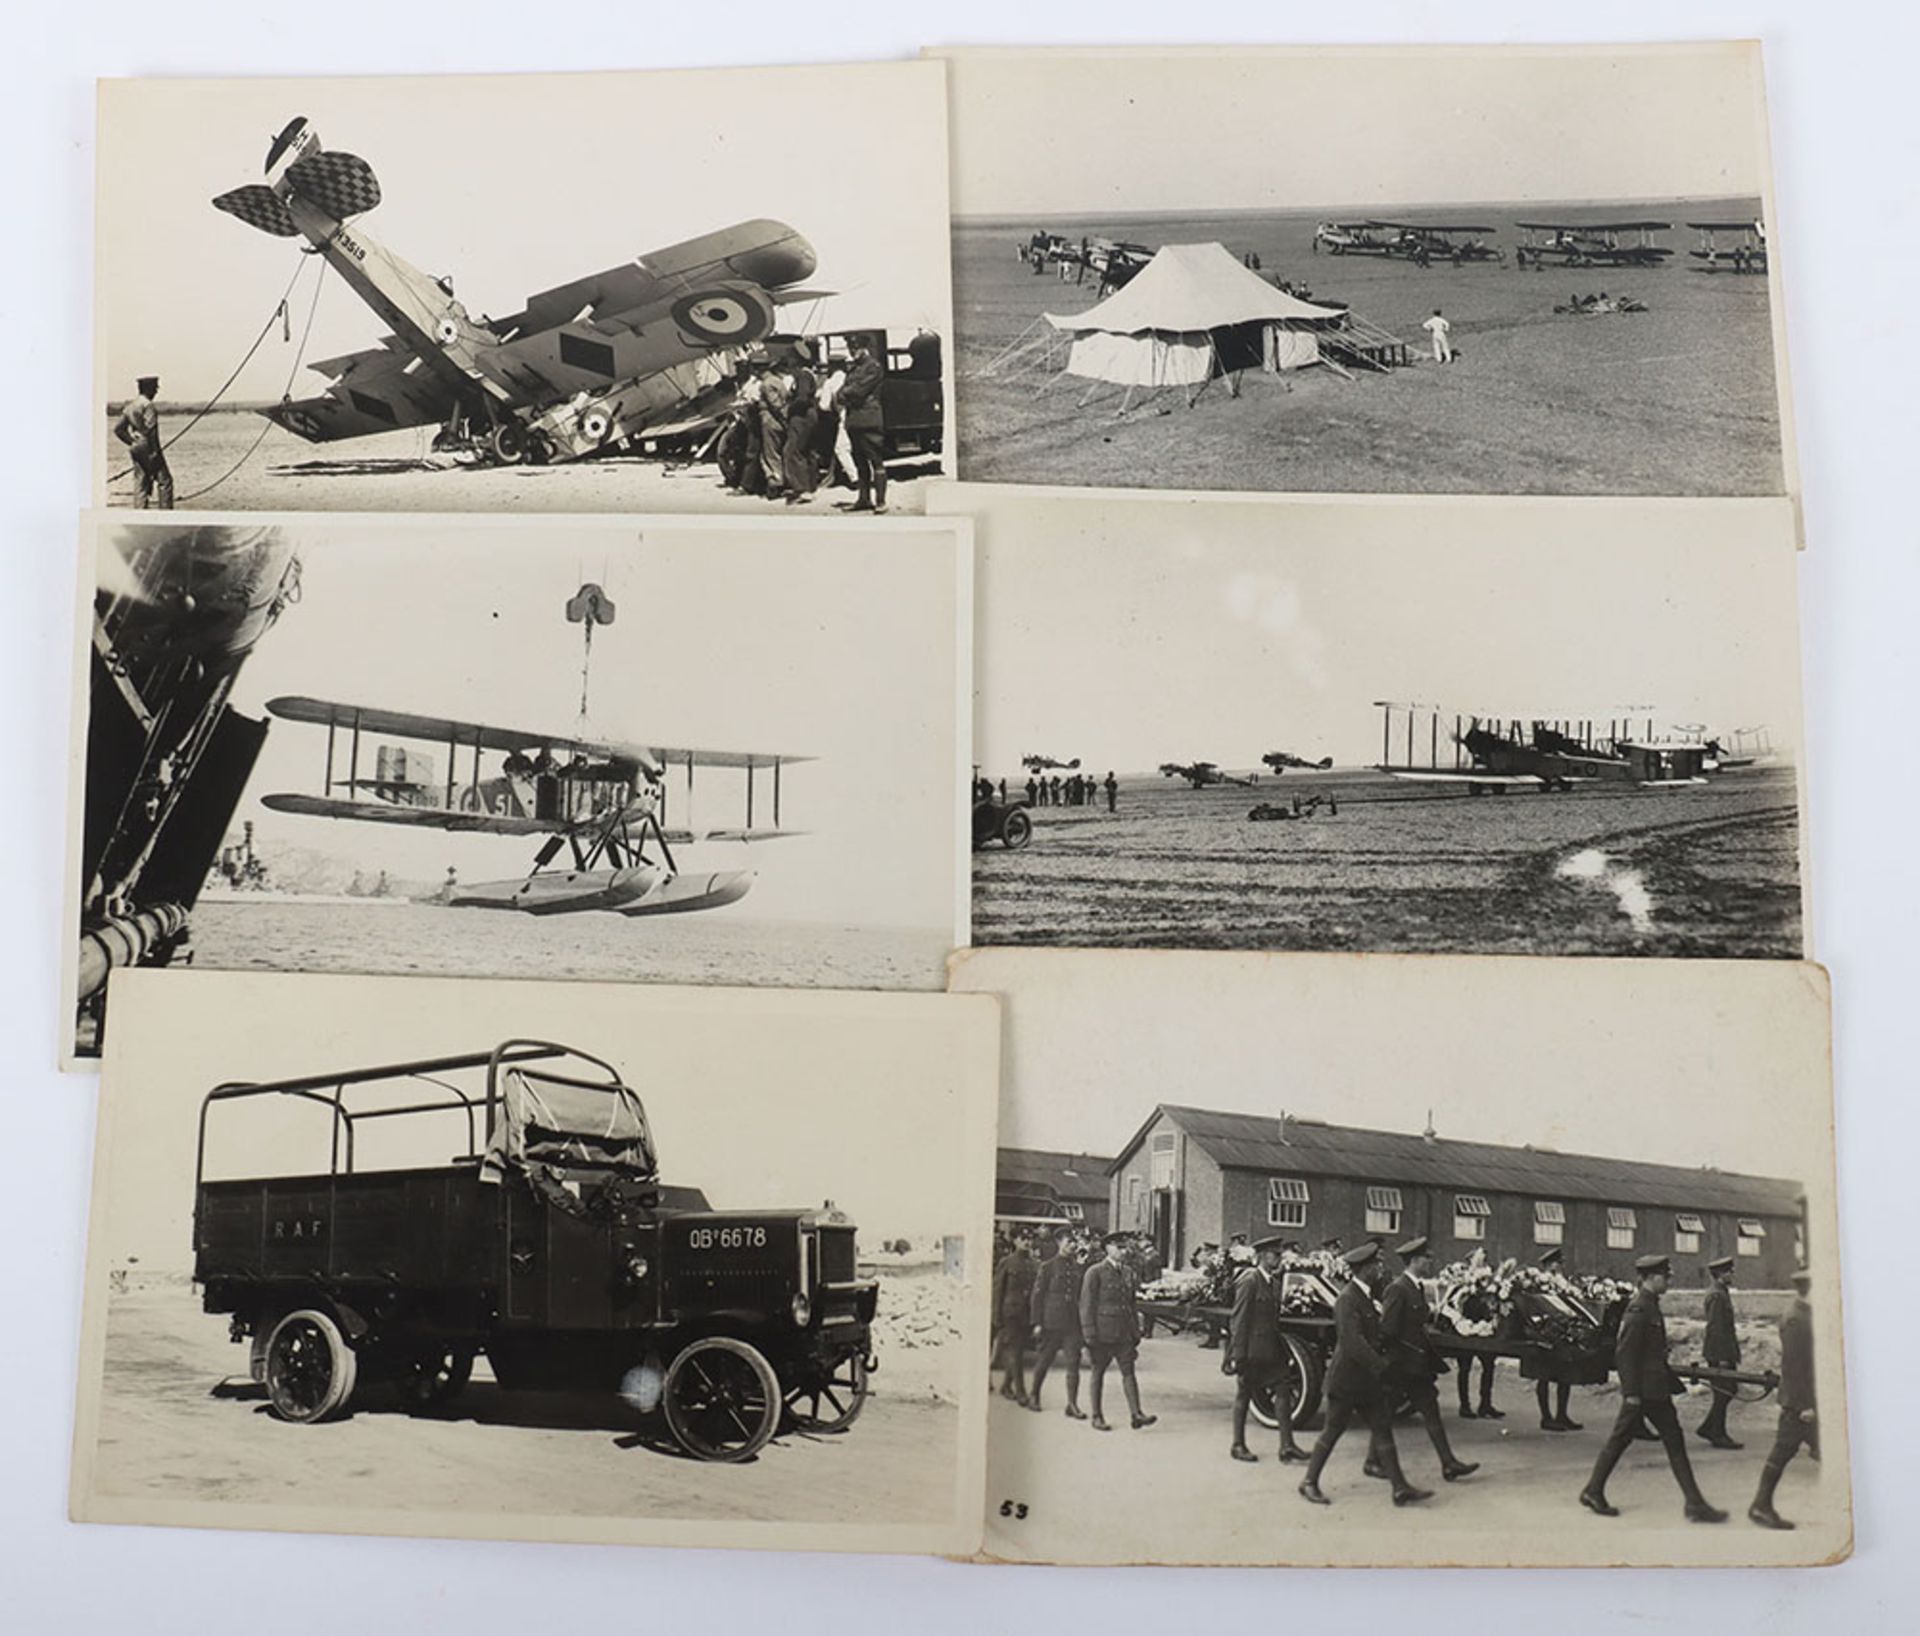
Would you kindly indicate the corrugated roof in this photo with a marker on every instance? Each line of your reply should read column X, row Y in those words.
column 1242, row 1141
column 1070, row 1175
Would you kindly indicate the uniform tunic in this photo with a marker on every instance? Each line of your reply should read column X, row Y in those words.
column 1108, row 1318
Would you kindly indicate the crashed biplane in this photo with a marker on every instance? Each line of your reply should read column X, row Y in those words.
column 643, row 348
column 602, row 803
column 1591, row 244
column 1746, row 254
column 1486, row 755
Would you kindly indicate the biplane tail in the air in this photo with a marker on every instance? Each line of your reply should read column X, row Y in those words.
column 583, row 367
column 602, row 803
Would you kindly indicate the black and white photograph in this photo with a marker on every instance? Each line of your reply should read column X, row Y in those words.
column 1307, row 1259
column 1463, row 270
column 1418, row 727
column 534, row 1260
column 694, row 750
column 368, row 295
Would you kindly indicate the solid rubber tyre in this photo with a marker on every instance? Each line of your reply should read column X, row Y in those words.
column 311, row 1370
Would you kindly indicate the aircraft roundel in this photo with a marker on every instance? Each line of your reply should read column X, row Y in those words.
column 448, row 330
column 720, row 318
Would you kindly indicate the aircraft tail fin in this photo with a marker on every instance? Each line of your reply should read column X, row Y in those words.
column 340, row 184
column 259, row 207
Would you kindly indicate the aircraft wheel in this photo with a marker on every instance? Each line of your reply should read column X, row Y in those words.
column 508, row 443
column 1016, row 831
column 830, row 1401
column 722, row 1400
column 539, row 448
column 310, row 1368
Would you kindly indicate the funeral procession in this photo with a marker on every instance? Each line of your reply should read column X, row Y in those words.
column 1263, row 1285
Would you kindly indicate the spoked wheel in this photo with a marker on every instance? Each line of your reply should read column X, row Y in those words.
column 1017, row 830
column 310, row 1367
column 428, row 1379
column 722, row 1400
column 508, row 443
column 832, row 1401
column 1306, row 1389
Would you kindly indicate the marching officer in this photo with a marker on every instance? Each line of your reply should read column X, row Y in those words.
column 1356, row 1382
column 1799, row 1425
column 1647, row 1387
column 1412, row 1363
column 1555, row 1419
column 1013, row 1283
column 1056, row 1313
column 1257, row 1355
column 1110, row 1322
column 1720, row 1350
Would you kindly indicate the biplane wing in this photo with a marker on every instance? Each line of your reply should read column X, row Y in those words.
column 464, row 735
column 1472, row 775
column 447, row 818
column 380, row 389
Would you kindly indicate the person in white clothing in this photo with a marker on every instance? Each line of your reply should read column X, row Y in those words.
column 1440, row 329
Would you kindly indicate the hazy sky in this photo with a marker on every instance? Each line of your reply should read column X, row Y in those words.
column 1683, row 1062
column 1159, row 129
column 1135, row 630
column 511, row 185
column 831, row 641
column 881, row 1103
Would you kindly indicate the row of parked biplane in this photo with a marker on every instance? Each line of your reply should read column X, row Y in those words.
column 1734, row 246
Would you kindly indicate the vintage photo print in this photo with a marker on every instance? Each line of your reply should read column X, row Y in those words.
column 1421, row 727
column 368, row 295
column 1455, row 270
column 1319, row 1260
column 556, row 1261
column 700, row 750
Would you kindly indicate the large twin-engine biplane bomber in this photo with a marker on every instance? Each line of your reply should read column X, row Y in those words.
column 644, row 347
column 1490, row 756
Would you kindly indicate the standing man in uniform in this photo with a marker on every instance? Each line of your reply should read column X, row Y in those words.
column 1056, row 1313
column 1257, row 1355
column 1013, row 1282
column 1555, row 1419
column 776, row 387
column 1646, row 1386
column 1720, row 1350
column 1111, row 1324
column 1799, row 1425
column 1412, row 1363
column 1112, row 787
column 1356, row 1382
column 139, row 428
column 1441, row 331
column 803, row 430
column 866, row 425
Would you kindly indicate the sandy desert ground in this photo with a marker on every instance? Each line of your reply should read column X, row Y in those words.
column 1704, row 870
column 397, row 471
column 180, row 1421
column 1252, row 1512
column 1680, row 399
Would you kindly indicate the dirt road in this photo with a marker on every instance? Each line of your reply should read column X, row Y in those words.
column 1170, row 1493
column 180, row 1421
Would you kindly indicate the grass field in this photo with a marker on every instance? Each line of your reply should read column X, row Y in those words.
column 1708, row 870
column 1679, row 400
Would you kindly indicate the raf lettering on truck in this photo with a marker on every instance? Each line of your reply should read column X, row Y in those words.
column 299, row 1227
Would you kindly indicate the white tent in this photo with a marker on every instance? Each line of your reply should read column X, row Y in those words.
column 1191, row 313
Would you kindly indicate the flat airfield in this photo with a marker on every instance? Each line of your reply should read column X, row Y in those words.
column 217, row 467
column 1704, row 870
column 1678, row 400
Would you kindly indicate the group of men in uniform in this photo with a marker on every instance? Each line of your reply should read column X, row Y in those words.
column 1384, row 1361
column 1069, row 1300
column 782, row 433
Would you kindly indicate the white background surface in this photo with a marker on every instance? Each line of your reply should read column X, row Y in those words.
column 1841, row 76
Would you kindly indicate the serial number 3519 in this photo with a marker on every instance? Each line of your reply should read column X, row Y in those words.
column 726, row 1238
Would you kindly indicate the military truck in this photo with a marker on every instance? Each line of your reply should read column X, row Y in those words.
column 548, row 1245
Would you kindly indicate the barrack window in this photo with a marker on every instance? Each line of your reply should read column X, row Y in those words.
column 1470, row 1212
column 1287, row 1198
column 1622, row 1224
column 1383, row 1209
column 1549, row 1221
